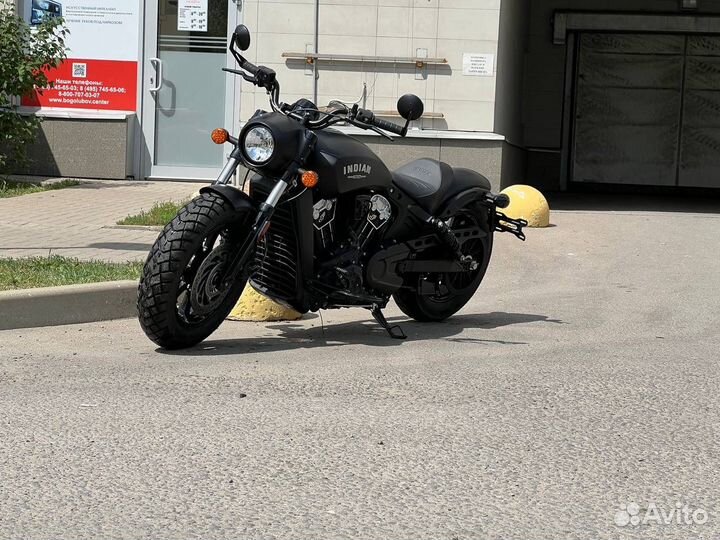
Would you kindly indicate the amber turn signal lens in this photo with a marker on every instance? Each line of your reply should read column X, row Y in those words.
column 219, row 136
column 310, row 179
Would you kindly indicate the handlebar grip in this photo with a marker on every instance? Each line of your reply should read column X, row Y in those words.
column 388, row 126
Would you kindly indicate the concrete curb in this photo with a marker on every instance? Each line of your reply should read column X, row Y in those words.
column 157, row 228
column 72, row 304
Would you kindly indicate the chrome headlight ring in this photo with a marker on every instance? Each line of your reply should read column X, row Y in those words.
column 258, row 145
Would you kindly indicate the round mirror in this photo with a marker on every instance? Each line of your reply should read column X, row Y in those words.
column 242, row 37
column 410, row 107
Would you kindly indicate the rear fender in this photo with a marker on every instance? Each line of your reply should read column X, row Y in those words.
column 462, row 199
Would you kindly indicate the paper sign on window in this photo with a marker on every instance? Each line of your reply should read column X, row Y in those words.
column 193, row 15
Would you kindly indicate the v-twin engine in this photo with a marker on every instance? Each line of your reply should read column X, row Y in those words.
column 345, row 242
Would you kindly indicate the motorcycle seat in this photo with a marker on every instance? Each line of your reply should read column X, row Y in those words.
column 430, row 182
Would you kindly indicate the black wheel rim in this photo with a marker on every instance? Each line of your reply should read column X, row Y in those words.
column 453, row 284
column 201, row 290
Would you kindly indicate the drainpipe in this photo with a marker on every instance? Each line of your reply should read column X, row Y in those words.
column 315, row 63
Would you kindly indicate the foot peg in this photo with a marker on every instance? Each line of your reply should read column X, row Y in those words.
column 395, row 331
column 513, row 226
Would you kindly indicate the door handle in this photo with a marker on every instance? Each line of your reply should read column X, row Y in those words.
column 157, row 64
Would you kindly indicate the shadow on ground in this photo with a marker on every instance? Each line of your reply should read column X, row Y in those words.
column 296, row 336
column 636, row 202
column 121, row 246
column 102, row 184
column 117, row 246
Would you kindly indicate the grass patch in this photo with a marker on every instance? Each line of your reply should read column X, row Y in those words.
column 8, row 188
column 160, row 214
column 55, row 270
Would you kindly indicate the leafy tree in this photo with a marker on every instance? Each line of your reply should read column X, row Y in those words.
column 25, row 55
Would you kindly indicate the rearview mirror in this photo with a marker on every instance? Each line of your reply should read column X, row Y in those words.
column 242, row 37
column 410, row 107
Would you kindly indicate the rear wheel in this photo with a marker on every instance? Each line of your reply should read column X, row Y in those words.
column 452, row 290
column 181, row 297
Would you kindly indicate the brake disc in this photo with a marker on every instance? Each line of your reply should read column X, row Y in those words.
column 207, row 292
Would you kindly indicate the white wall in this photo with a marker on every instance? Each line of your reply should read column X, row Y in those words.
column 446, row 28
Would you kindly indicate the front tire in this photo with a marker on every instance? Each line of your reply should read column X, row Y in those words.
column 454, row 289
column 180, row 298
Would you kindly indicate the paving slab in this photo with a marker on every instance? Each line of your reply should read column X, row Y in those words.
column 80, row 221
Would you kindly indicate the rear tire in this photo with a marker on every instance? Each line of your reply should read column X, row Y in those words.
column 462, row 287
column 165, row 309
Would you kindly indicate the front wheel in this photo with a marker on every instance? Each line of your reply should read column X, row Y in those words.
column 451, row 291
column 181, row 296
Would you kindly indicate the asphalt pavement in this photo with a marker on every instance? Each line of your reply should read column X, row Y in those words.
column 576, row 396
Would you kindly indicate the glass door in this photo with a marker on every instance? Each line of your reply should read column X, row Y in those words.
column 185, row 93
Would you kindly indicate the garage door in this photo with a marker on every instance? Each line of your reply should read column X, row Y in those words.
column 647, row 110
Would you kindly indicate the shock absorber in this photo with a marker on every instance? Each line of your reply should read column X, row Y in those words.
column 447, row 236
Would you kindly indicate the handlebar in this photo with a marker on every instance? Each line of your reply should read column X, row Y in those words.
column 250, row 67
column 265, row 77
column 389, row 126
column 368, row 117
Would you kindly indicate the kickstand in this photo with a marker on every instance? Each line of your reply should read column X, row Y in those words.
column 395, row 331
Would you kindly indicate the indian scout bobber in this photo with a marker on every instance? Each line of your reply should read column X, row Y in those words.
column 325, row 225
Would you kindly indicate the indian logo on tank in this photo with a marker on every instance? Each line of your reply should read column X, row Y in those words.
column 357, row 171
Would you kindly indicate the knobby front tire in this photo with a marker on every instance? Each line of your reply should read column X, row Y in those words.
column 171, row 268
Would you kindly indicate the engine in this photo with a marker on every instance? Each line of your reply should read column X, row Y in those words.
column 342, row 236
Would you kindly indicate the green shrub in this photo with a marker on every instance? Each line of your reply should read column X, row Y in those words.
column 25, row 55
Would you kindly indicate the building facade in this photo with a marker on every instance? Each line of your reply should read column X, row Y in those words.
column 558, row 94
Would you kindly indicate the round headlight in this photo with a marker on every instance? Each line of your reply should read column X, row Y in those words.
column 259, row 144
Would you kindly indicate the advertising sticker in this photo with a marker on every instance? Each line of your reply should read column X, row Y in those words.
column 101, row 69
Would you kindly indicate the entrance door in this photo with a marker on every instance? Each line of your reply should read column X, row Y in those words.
column 185, row 93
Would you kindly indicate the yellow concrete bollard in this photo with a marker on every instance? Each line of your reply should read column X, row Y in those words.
column 529, row 204
column 253, row 306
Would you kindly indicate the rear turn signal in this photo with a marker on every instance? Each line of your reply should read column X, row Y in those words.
column 219, row 136
column 310, row 179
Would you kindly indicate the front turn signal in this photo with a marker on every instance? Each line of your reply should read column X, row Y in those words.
column 220, row 136
column 310, row 179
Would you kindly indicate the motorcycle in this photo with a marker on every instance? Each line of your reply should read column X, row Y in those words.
column 325, row 224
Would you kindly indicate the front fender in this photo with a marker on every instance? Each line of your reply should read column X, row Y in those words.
column 240, row 200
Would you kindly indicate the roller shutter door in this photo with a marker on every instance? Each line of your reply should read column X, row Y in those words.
column 700, row 137
column 647, row 110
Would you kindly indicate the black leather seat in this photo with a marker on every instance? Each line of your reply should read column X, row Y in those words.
column 430, row 182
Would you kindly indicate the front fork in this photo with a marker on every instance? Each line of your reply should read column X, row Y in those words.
column 229, row 169
column 266, row 209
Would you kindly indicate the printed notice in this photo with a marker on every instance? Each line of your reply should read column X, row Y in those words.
column 193, row 15
column 479, row 65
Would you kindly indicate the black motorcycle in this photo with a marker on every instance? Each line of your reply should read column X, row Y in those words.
column 325, row 225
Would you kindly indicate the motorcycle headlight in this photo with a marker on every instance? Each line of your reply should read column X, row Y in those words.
column 259, row 145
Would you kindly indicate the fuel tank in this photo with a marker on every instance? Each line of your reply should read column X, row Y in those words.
column 345, row 165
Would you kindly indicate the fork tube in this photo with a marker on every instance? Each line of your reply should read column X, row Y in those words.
column 276, row 193
column 228, row 170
